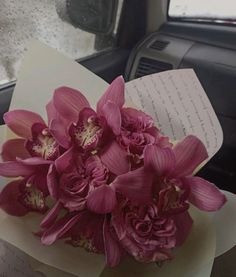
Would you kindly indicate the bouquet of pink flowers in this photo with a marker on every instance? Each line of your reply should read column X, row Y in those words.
column 106, row 180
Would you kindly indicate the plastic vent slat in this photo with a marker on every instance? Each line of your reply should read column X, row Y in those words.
column 148, row 66
column 159, row 45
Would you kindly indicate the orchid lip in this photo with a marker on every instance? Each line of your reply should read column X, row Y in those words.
column 42, row 145
column 86, row 134
column 33, row 198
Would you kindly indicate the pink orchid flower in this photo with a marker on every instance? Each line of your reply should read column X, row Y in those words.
column 29, row 157
column 28, row 193
column 85, row 229
column 89, row 129
column 172, row 176
column 36, row 139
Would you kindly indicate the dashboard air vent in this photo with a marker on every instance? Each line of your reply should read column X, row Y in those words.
column 159, row 45
column 148, row 66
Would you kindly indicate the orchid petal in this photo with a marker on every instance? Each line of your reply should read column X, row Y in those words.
column 189, row 153
column 39, row 180
column 34, row 161
column 51, row 112
column 114, row 93
column 21, row 121
column 144, row 119
column 58, row 229
column 52, row 182
column 15, row 169
column 204, row 195
column 59, row 132
column 111, row 112
column 112, row 249
column 136, row 185
column 50, row 218
column 115, row 159
column 14, row 148
column 89, row 226
column 102, row 200
column 161, row 160
column 9, row 199
column 64, row 160
column 69, row 102
column 183, row 223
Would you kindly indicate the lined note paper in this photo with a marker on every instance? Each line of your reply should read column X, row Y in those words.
column 179, row 106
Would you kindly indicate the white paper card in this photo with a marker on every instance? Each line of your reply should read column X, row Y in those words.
column 179, row 105
column 13, row 262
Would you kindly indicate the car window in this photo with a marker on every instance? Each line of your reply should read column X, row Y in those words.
column 217, row 11
column 49, row 21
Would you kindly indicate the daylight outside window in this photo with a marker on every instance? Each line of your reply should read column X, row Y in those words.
column 218, row 11
column 53, row 23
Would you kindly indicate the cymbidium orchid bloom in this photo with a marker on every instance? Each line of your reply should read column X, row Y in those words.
column 30, row 191
column 36, row 137
column 28, row 157
column 88, row 128
column 172, row 171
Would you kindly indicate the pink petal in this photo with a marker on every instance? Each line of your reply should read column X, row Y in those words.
column 58, row 229
column 114, row 93
column 21, row 121
column 183, row 223
column 102, row 200
column 145, row 121
column 50, row 218
column 39, row 180
column 112, row 249
column 161, row 160
column 15, row 169
column 69, row 102
column 64, row 161
column 60, row 133
column 14, row 148
column 52, row 182
column 204, row 195
column 189, row 153
column 89, row 226
column 111, row 112
column 34, row 161
column 136, row 185
column 115, row 159
column 51, row 112
column 9, row 199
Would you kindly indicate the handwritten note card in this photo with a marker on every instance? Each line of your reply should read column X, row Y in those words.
column 179, row 106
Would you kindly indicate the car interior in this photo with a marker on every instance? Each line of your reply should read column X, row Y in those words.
column 149, row 40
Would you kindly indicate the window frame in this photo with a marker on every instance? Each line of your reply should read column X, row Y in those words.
column 196, row 20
